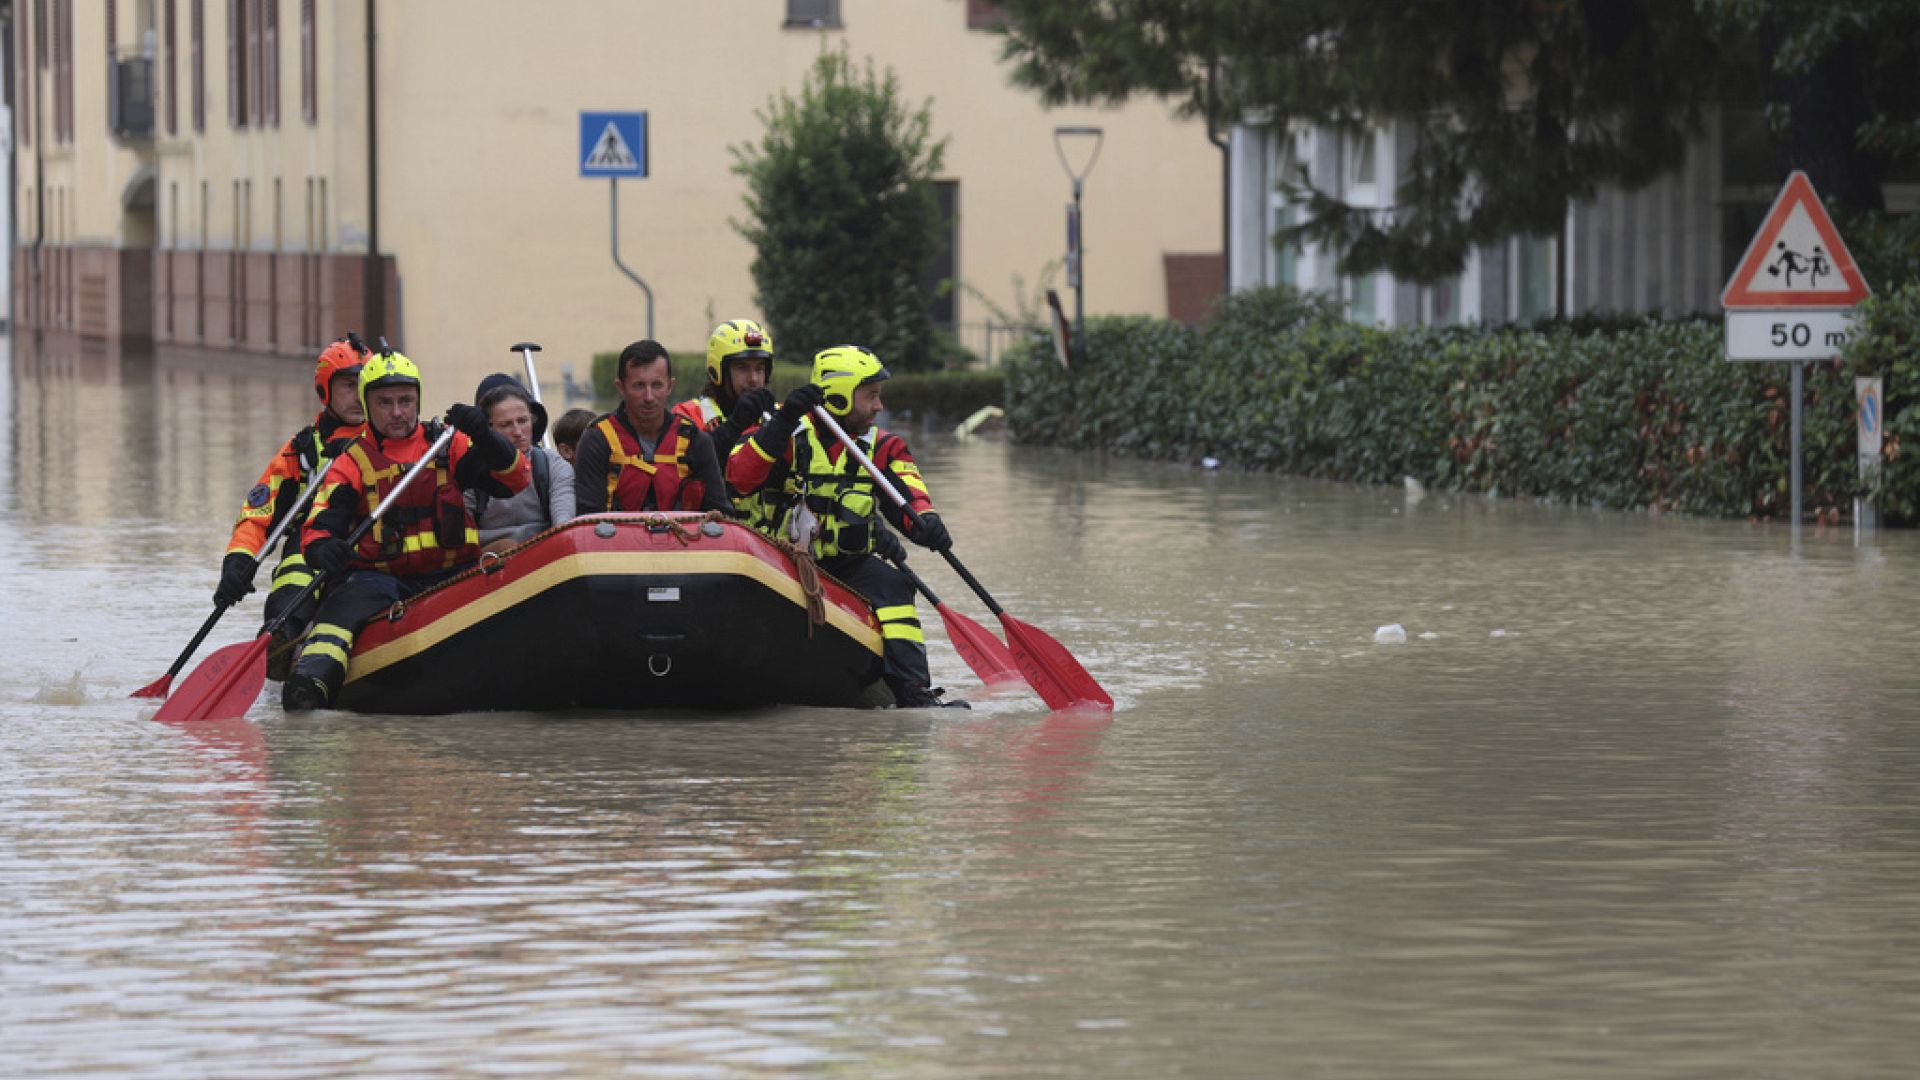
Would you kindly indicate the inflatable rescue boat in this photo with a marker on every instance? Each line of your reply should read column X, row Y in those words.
column 627, row 612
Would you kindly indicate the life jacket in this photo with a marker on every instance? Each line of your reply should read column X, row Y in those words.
column 428, row 530
column 634, row 483
column 310, row 445
column 703, row 411
column 841, row 496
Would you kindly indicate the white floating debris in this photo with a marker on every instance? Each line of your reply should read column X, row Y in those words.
column 1209, row 462
column 1390, row 634
column 1498, row 633
column 1414, row 487
column 1428, row 636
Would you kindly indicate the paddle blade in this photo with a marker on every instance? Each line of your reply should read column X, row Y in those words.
column 156, row 688
column 983, row 652
column 1055, row 675
column 224, row 686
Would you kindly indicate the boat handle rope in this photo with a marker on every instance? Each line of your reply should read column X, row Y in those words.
column 807, row 572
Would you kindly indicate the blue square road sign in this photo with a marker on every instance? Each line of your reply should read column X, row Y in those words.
column 613, row 144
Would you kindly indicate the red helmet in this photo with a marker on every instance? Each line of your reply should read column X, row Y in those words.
column 343, row 357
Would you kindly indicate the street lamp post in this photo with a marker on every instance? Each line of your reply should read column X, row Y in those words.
column 1075, row 233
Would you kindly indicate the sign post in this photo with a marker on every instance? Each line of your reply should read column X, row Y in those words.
column 1792, row 296
column 1869, row 397
column 614, row 145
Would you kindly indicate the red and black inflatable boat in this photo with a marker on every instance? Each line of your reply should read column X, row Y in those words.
column 628, row 612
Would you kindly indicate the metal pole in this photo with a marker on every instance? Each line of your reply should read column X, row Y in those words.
column 1798, row 367
column 613, row 203
column 1080, row 274
column 375, row 295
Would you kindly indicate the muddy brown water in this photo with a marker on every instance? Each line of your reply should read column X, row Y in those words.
column 1636, row 797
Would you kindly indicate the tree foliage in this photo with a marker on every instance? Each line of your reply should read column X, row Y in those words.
column 1517, row 106
column 844, row 217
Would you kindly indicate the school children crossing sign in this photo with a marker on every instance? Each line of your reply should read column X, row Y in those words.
column 1793, row 293
column 613, row 144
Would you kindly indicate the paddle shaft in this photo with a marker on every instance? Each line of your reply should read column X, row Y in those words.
column 360, row 530
column 821, row 414
column 1050, row 669
column 225, row 685
column 527, row 349
column 220, row 608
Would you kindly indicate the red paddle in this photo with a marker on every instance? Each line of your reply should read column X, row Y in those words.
column 225, row 684
column 1053, row 672
column 158, row 687
column 983, row 652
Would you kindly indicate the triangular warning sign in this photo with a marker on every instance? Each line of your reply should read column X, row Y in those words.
column 1797, row 259
column 610, row 151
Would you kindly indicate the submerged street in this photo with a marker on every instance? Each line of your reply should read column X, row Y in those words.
column 1637, row 795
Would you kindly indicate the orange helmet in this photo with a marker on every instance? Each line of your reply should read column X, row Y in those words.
column 343, row 357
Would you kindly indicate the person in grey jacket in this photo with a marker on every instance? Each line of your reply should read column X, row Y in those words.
column 546, row 502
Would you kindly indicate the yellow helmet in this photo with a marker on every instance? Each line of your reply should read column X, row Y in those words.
column 841, row 370
column 733, row 339
column 388, row 369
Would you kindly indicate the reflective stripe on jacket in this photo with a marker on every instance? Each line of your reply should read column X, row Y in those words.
column 280, row 485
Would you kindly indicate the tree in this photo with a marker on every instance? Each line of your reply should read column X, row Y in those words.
column 844, row 218
column 1518, row 106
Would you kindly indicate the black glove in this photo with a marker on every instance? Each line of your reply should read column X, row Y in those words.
column 800, row 402
column 469, row 420
column 748, row 407
column 887, row 545
column 329, row 555
column 932, row 533
column 236, row 578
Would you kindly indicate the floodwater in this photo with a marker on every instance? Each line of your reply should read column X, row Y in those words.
column 1636, row 797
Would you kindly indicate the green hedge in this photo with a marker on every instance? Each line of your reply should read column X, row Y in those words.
column 911, row 396
column 1646, row 414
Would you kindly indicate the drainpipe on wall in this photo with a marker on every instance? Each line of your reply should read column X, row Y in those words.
column 376, row 284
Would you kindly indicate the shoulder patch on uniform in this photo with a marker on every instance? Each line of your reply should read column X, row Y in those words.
column 259, row 496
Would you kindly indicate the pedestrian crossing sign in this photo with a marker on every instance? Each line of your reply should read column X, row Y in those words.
column 613, row 144
column 1797, row 259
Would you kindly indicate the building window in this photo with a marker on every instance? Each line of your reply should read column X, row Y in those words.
column 1282, row 256
column 818, row 14
column 270, row 62
column 1533, row 258
column 63, row 70
column 172, row 44
column 1363, row 170
column 197, row 63
column 985, row 15
column 1363, row 299
column 236, row 63
column 26, row 81
column 309, row 66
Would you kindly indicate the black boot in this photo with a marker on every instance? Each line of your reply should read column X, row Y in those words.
column 304, row 693
column 924, row 697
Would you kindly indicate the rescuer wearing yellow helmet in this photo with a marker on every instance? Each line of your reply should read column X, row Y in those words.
column 427, row 536
column 336, row 376
column 735, row 400
column 834, row 506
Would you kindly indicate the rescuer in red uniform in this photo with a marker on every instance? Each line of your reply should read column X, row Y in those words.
column 833, row 505
column 336, row 380
column 426, row 537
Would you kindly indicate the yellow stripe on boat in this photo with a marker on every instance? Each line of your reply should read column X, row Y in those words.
column 603, row 564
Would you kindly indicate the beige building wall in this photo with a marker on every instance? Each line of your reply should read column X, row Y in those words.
column 494, row 236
